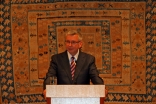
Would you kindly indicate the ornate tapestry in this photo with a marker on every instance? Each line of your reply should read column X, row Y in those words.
column 121, row 36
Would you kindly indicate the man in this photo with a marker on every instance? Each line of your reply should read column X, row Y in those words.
column 84, row 64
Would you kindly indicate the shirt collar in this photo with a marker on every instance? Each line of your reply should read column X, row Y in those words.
column 76, row 55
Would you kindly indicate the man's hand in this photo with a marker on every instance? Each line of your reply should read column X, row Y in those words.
column 44, row 94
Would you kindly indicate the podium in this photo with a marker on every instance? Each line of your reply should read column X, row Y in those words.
column 75, row 94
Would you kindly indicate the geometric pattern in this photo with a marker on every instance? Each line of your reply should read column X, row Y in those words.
column 123, row 40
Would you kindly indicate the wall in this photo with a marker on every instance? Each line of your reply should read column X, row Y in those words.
column 121, row 35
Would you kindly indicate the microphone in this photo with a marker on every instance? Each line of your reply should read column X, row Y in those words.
column 52, row 80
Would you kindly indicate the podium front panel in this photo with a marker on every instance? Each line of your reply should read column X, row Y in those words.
column 77, row 91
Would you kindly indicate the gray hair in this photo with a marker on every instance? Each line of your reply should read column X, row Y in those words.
column 74, row 32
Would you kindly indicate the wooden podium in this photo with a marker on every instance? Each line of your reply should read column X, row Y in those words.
column 75, row 94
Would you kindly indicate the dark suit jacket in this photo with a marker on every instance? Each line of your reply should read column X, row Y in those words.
column 85, row 70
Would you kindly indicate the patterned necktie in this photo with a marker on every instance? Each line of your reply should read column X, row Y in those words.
column 72, row 67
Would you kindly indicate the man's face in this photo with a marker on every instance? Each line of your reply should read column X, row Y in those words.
column 73, row 44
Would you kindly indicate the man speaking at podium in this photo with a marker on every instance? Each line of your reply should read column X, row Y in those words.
column 73, row 66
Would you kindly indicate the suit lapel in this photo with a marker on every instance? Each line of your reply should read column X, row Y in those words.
column 66, row 65
column 79, row 64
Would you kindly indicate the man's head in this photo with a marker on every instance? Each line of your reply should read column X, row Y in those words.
column 73, row 41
